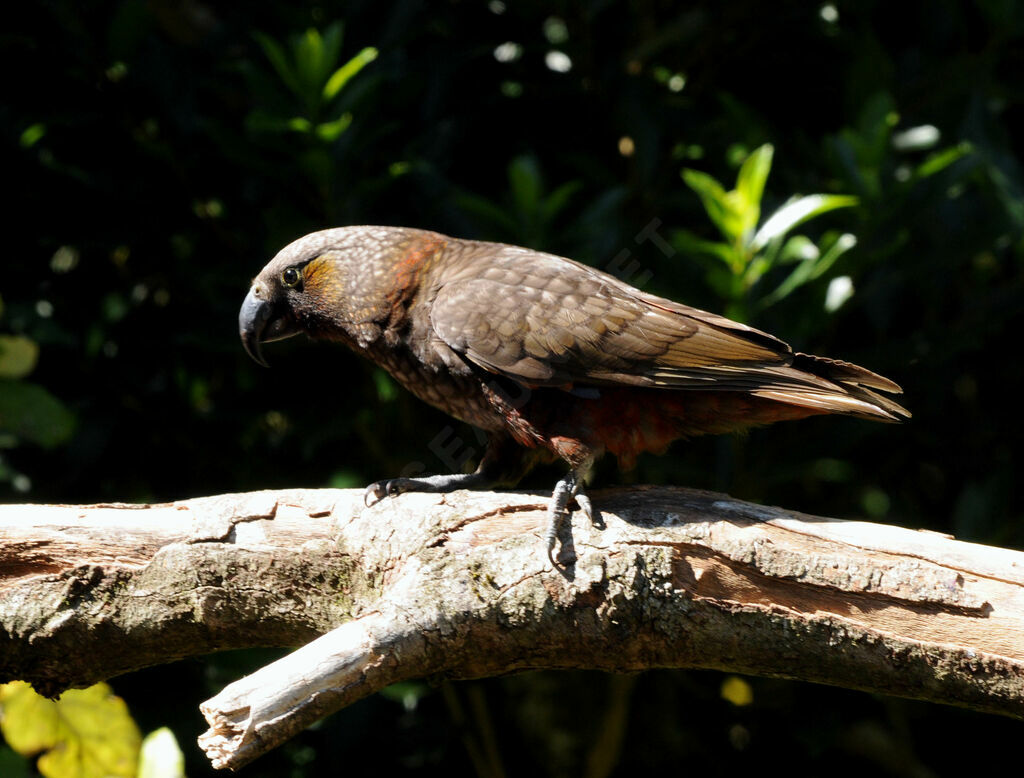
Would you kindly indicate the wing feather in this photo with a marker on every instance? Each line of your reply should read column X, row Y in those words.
column 543, row 320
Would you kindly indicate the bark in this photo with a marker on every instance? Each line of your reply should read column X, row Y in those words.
column 459, row 585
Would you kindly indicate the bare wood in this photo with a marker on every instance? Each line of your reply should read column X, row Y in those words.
column 458, row 584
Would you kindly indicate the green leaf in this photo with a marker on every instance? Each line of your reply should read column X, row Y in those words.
column 836, row 249
column 756, row 268
column 408, row 693
column 161, row 756
column 716, row 204
column 750, row 184
column 345, row 479
column 279, row 61
column 32, row 134
column 940, row 160
column 809, row 269
column 559, row 199
column 840, row 289
column 797, row 211
column 343, row 75
column 331, row 131
column 688, row 243
column 86, row 733
column 309, row 61
column 31, row 413
column 526, row 183
column 494, row 215
column 18, row 356
column 299, row 124
column 798, row 248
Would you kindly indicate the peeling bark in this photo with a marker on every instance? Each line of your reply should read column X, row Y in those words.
column 459, row 585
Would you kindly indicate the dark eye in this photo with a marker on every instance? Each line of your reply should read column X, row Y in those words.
column 291, row 277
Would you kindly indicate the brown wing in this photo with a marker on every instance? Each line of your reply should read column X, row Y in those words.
column 547, row 321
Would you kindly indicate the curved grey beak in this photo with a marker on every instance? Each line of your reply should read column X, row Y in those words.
column 252, row 321
column 260, row 321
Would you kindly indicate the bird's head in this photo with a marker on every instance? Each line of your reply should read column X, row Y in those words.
column 341, row 283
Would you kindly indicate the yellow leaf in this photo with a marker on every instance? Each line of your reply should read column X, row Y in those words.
column 737, row 691
column 18, row 356
column 86, row 733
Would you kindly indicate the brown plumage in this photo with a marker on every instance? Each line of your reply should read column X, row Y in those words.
column 554, row 359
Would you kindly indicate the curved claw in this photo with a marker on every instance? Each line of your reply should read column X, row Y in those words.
column 586, row 505
column 373, row 494
column 389, row 488
column 551, row 535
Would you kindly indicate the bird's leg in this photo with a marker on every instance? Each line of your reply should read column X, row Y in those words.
column 567, row 489
column 503, row 463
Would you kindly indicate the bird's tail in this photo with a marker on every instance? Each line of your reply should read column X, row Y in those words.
column 855, row 393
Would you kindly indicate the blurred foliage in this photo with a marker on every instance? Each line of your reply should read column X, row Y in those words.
column 748, row 253
column 162, row 152
column 86, row 733
column 28, row 412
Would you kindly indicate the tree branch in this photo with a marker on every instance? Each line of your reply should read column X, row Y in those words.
column 459, row 585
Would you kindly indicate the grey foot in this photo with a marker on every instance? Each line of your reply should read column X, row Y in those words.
column 568, row 489
column 390, row 487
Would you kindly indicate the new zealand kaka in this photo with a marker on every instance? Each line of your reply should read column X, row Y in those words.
column 552, row 358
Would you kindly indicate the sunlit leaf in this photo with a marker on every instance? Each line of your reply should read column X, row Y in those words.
column 713, row 197
column 834, row 251
column 331, row 131
column 31, row 413
column 408, row 693
column 86, row 733
column 750, row 184
column 310, row 61
column 18, row 356
column 924, row 136
column 344, row 74
column 757, row 267
column 809, row 269
column 840, row 289
column 940, row 160
column 32, row 134
column 797, row 211
column 737, row 691
column 798, row 248
column 161, row 756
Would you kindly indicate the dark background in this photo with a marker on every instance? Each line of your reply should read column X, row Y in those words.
column 155, row 159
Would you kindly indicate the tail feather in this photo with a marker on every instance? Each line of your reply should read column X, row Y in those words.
column 853, row 395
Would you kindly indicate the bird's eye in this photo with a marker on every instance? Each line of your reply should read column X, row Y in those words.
column 291, row 277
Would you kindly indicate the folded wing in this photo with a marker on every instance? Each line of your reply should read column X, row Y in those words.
column 543, row 320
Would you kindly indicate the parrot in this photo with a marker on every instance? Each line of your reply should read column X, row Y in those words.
column 552, row 359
